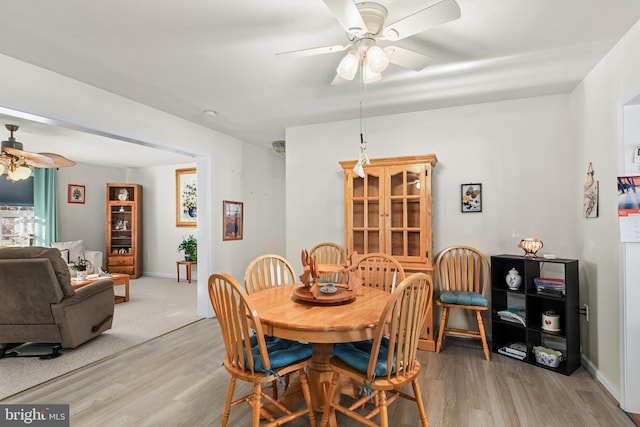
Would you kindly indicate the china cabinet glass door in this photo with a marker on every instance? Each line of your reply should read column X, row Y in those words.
column 366, row 208
column 407, row 213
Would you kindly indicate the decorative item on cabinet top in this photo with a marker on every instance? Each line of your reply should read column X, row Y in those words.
column 513, row 279
column 530, row 246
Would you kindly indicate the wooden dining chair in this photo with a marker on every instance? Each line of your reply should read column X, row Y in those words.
column 379, row 270
column 267, row 271
column 329, row 253
column 462, row 276
column 387, row 363
column 250, row 357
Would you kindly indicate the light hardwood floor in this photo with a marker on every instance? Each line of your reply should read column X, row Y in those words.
column 178, row 380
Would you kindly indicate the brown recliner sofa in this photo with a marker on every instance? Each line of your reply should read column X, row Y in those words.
column 39, row 305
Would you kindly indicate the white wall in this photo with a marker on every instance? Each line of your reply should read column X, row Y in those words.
column 160, row 236
column 262, row 175
column 223, row 170
column 597, row 117
column 521, row 151
column 86, row 221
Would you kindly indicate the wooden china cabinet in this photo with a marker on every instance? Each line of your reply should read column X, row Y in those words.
column 389, row 210
column 124, row 229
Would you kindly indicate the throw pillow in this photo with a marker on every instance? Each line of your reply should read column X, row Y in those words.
column 65, row 255
column 74, row 247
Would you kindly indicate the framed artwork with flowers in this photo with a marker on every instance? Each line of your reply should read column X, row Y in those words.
column 470, row 198
column 75, row 193
column 186, row 198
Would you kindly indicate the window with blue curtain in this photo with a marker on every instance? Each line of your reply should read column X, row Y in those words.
column 16, row 212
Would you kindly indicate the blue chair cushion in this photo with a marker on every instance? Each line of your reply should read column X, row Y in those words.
column 357, row 354
column 463, row 298
column 281, row 352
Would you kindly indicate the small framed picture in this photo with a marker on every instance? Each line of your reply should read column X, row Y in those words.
column 232, row 220
column 75, row 193
column 470, row 198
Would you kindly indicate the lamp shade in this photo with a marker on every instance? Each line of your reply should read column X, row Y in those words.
column 368, row 75
column 17, row 172
column 377, row 59
column 23, row 172
column 358, row 169
column 530, row 246
column 348, row 66
column 2, row 168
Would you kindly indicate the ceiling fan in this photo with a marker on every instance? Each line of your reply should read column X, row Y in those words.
column 365, row 27
column 18, row 162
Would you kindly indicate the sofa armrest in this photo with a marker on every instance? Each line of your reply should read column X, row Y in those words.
column 91, row 289
column 86, row 314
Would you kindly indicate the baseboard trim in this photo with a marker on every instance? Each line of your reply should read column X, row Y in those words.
column 593, row 371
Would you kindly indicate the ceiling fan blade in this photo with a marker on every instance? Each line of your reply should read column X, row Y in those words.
column 314, row 51
column 58, row 160
column 407, row 58
column 347, row 15
column 432, row 16
column 32, row 159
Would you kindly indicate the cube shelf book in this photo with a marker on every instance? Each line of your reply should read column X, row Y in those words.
column 548, row 286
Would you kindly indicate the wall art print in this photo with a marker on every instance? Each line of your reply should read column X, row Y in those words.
column 76, row 193
column 232, row 219
column 186, row 198
column 590, row 195
column 470, row 198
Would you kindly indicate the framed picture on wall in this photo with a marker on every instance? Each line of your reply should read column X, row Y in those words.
column 470, row 198
column 232, row 217
column 75, row 193
column 186, row 198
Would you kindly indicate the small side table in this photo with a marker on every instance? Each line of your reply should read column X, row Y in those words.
column 188, row 265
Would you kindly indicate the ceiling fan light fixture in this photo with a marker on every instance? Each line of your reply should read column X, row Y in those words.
column 377, row 59
column 2, row 168
column 391, row 34
column 16, row 172
column 348, row 67
column 368, row 75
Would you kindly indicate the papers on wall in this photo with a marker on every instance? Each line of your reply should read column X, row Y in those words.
column 629, row 208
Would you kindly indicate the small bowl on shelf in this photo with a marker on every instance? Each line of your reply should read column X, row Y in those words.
column 547, row 356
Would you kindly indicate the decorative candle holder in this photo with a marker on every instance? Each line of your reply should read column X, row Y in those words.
column 530, row 246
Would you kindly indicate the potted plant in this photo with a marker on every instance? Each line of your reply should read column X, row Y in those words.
column 190, row 247
column 80, row 266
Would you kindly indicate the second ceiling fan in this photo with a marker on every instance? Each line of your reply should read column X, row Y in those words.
column 365, row 27
column 18, row 162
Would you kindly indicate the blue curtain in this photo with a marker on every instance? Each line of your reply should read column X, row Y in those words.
column 45, row 206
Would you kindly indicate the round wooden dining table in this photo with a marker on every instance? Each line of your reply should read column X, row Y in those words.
column 284, row 315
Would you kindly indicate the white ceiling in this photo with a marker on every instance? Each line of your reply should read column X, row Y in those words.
column 184, row 57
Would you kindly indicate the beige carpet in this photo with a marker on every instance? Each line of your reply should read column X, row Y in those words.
column 156, row 306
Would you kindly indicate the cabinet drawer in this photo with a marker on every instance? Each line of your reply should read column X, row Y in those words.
column 123, row 269
column 120, row 260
